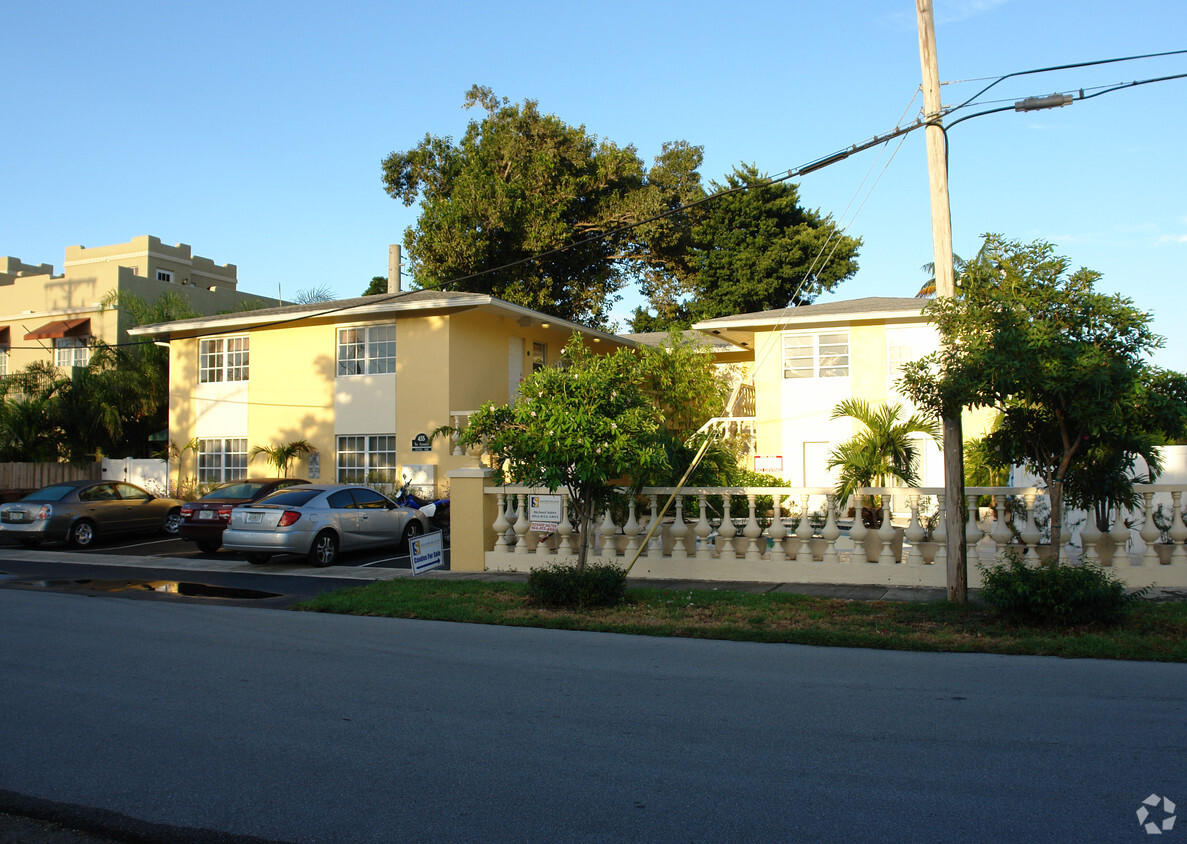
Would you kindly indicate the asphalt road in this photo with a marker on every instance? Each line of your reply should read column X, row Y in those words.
column 307, row 727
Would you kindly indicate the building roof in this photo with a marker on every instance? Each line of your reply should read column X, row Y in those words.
column 739, row 329
column 409, row 302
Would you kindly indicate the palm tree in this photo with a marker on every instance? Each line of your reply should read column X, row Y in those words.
column 177, row 453
column 885, row 451
column 281, row 456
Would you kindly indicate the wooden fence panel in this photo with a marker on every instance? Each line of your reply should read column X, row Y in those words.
column 18, row 478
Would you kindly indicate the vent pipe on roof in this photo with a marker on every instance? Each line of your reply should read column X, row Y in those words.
column 393, row 268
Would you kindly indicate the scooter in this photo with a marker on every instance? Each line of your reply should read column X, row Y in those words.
column 436, row 511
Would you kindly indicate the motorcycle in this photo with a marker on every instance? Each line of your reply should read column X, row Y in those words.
column 436, row 511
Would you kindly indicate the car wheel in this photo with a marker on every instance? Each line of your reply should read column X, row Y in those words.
column 324, row 550
column 209, row 546
column 413, row 530
column 82, row 533
column 258, row 559
column 173, row 521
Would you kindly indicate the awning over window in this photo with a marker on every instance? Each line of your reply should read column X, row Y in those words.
column 61, row 328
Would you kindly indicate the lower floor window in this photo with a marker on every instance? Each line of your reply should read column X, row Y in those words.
column 369, row 458
column 222, row 459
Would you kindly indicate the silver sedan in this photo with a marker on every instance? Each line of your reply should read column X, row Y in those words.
column 81, row 511
column 318, row 521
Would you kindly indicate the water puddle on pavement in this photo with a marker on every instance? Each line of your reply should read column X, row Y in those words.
column 164, row 587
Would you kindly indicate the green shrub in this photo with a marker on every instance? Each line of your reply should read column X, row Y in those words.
column 1065, row 596
column 599, row 585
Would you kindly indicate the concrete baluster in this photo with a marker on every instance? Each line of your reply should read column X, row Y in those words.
column 778, row 530
column 501, row 524
column 940, row 534
column 914, row 533
column 1150, row 531
column 702, row 528
column 803, row 531
column 631, row 528
column 972, row 530
column 1089, row 540
column 679, row 530
column 1000, row 534
column 521, row 525
column 752, row 531
column 1178, row 531
column 564, row 531
column 1120, row 535
column 831, row 532
column 857, row 533
column 886, row 534
column 727, row 531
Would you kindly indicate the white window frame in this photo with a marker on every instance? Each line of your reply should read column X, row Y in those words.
column 224, row 359
column 366, row 350
column 3, row 362
column 165, row 276
column 366, row 458
column 71, row 351
column 222, row 459
column 819, row 354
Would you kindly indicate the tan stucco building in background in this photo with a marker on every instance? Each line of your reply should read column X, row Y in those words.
column 51, row 317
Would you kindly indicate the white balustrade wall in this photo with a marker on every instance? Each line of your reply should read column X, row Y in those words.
column 805, row 536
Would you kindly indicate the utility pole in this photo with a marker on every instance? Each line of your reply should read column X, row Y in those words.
column 941, row 235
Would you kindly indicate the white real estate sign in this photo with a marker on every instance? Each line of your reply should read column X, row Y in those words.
column 544, row 513
column 426, row 552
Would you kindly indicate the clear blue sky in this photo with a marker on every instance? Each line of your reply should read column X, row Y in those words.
column 254, row 131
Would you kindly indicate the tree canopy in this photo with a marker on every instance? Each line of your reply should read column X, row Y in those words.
column 1064, row 364
column 571, row 218
column 519, row 184
column 752, row 248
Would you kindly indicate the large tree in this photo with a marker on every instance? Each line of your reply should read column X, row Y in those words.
column 1064, row 364
column 522, row 184
column 751, row 247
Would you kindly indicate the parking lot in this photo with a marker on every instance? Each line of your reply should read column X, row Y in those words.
column 161, row 545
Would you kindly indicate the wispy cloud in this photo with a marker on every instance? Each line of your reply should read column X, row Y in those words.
column 1171, row 238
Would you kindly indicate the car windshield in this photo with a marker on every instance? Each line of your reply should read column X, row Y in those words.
column 51, row 493
column 291, row 497
column 243, row 490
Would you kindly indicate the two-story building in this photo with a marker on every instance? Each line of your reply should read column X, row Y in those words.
column 806, row 360
column 365, row 381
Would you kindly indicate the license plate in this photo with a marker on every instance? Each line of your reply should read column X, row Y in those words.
column 255, row 518
column 205, row 514
column 14, row 516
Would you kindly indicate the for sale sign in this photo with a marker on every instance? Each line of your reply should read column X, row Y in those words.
column 544, row 513
column 427, row 552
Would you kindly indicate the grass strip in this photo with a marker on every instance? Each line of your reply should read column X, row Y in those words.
column 1155, row 631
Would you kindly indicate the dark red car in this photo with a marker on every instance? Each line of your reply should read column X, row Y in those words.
column 203, row 521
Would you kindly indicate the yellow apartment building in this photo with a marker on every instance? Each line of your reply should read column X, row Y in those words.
column 51, row 317
column 365, row 381
column 806, row 360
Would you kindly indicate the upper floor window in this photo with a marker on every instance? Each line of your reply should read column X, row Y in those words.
column 71, row 351
column 165, row 275
column 223, row 359
column 816, row 355
column 367, row 350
